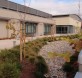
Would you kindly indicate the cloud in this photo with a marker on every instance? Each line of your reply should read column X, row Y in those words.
column 57, row 6
column 54, row 6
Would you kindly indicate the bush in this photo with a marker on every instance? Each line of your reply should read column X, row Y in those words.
column 39, row 75
column 73, row 59
column 9, row 55
column 8, row 70
column 67, row 67
column 10, row 66
column 31, row 59
column 9, row 59
column 41, row 67
column 71, row 67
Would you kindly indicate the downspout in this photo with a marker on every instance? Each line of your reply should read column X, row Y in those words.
column 79, row 73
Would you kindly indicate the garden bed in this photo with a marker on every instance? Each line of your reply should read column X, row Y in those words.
column 9, row 59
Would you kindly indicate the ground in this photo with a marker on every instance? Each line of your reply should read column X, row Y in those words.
column 55, row 63
column 28, row 69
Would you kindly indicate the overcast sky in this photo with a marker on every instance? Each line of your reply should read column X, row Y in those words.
column 54, row 6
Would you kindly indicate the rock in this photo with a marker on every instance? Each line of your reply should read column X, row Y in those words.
column 55, row 64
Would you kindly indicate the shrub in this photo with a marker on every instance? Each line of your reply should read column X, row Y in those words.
column 71, row 67
column 31, row 59
column 73, row 59
column 9, row 59
column 9, row 55
column 8, row 70
column 10, row 66
column 39, row 75
column 67, row 67
column 41, row 67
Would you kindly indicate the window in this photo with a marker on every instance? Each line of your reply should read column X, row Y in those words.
column 30, row 28
column 64, row 29
column 47, row 29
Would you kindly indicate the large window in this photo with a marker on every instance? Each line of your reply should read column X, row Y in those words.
column 31, row 28
column 47, row 29
column 64, row 29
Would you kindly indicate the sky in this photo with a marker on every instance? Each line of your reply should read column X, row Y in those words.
column 54, row 7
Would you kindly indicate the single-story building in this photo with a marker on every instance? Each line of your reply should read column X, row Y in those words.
column 67, row 24
column 37, row 23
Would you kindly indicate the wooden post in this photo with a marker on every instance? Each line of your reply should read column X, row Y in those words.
column 21, row 45
column 52, row 32
column 24, row 40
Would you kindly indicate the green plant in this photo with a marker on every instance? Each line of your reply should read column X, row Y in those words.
column 73, row 59
column 39, row 75
column 71, row 67
column 32, row 59
column 67, row 67
column 10, row 58
column 10, row 55
column 8, row 70
column 41, row 67
column 10, row 66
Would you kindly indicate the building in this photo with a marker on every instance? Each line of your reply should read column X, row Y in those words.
column 67, row 24
column 37, row 23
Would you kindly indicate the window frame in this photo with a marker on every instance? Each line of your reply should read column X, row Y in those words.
column 63, row 29
column 47, row 29
column 32, row 27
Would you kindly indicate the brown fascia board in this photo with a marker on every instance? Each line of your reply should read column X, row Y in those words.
column 61, row 16
column 24, row 9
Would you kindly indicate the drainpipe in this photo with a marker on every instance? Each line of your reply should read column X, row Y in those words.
column 79, row 73
column 80, row 61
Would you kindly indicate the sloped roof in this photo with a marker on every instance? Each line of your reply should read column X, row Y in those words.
column 67, row 15
column 24, row 9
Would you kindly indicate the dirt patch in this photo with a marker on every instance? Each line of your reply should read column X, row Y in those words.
column 28, row 69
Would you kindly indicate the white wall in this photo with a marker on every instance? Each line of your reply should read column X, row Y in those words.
column 61, row 20
column 13, row 14
column 3, row 30
column 76, row 24
column 69, row 21
column 40, row 29
column 9, row 14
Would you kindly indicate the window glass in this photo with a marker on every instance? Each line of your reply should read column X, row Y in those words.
column 47, row 28
column 64, row 29
column 30, row 28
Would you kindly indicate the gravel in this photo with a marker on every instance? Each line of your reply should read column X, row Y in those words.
column 55, row 64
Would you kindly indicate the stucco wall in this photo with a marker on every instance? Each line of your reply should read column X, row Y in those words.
column 13, row 14
column 76, row 24
column 3, row 30
column 9, row 14
column 40, row 29
column 69, row 21
column 61, row 20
